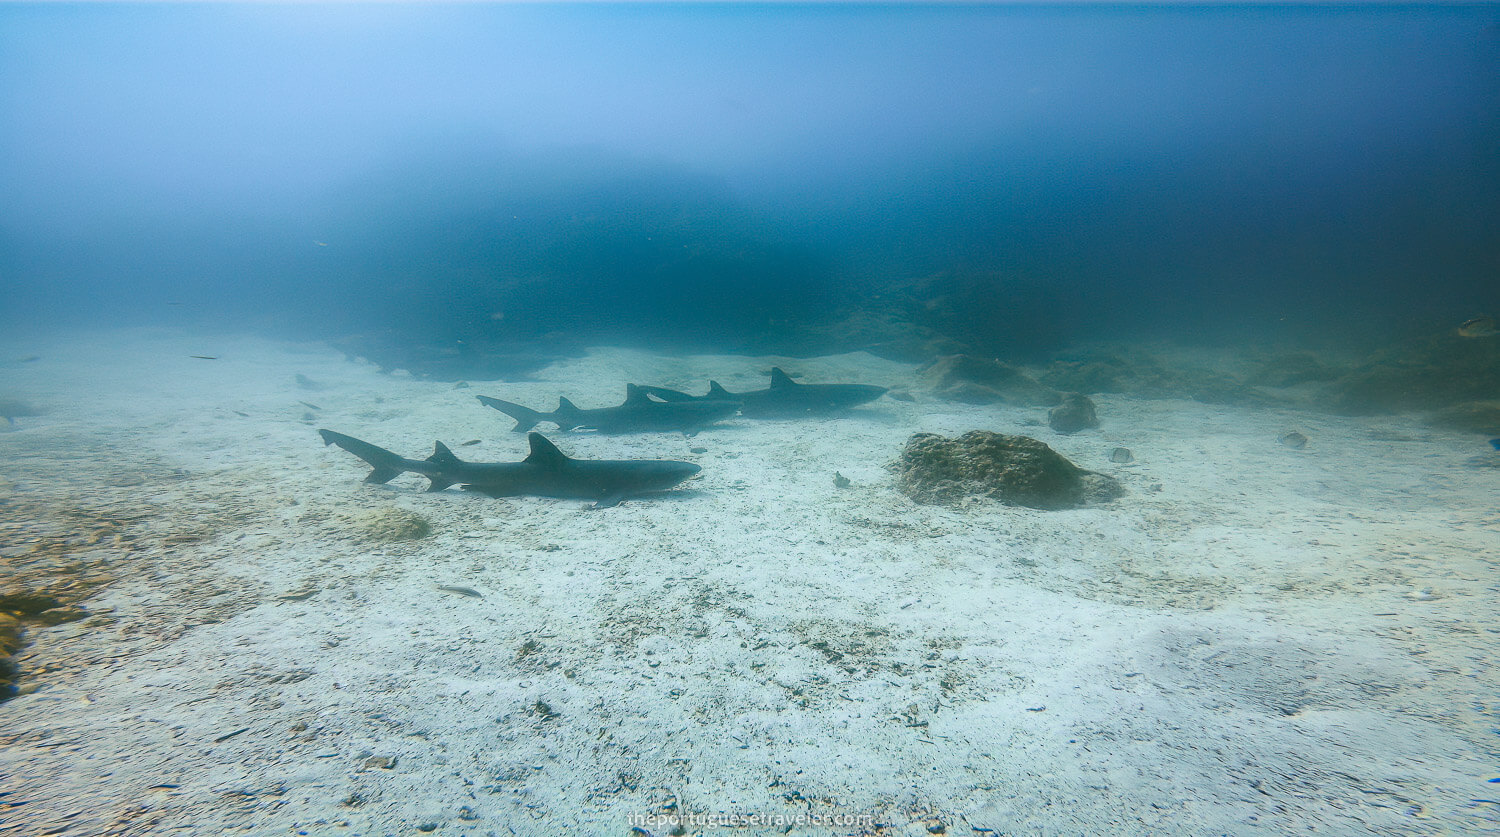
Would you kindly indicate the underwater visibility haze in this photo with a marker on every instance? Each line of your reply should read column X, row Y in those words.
column 844, row 418
column 746, row 176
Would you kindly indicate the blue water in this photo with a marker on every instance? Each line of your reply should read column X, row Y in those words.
column 730, row 177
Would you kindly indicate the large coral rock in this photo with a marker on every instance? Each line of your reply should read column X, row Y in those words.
column 1017, row 470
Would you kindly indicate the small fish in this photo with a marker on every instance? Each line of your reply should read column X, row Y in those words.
column 313, row 406
column 1479, row 327
column 468, row 443
column 203, row 357
column 1495, row 443
column 462, row 591
column 228, row 735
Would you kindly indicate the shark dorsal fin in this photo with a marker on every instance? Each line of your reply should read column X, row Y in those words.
column 715, row 390
column 566, row 406
column 634, row 394
column 780, row 379
column 442, row 456
column 544, row 452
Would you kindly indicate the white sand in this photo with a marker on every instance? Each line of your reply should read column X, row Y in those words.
column 1275, row 641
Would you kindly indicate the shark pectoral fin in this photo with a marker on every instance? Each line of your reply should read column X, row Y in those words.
column 609, row 501
column 495, row 491
column 381, row 476
column 666, row 395
column 443, row 458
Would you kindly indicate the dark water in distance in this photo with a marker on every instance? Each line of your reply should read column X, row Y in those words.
column 729, row 176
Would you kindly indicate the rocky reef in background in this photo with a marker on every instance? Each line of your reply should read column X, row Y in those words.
column 918, row 320
column 981, row 336
column 1456, row 378
column 978, row 380
column 1469, row 417
column 1427, row 373
column 1138, row 371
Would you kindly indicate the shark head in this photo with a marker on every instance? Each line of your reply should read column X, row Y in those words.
column 852, row 395
column 835, row 396
column 630, row 476
column 643, row 477
column 659, row 475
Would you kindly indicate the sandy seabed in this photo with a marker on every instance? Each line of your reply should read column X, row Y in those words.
column 1255, row 639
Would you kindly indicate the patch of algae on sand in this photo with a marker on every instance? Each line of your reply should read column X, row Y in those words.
column 391, row 524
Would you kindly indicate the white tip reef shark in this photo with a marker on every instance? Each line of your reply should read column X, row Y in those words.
column 785, row 399
column 638, row 414
column 547, row 472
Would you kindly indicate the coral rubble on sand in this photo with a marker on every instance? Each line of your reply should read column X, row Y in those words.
column 391, row 524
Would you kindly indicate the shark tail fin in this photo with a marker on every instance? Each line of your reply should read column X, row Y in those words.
column 387, row 466
column 526, row 418
column 443, row 458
